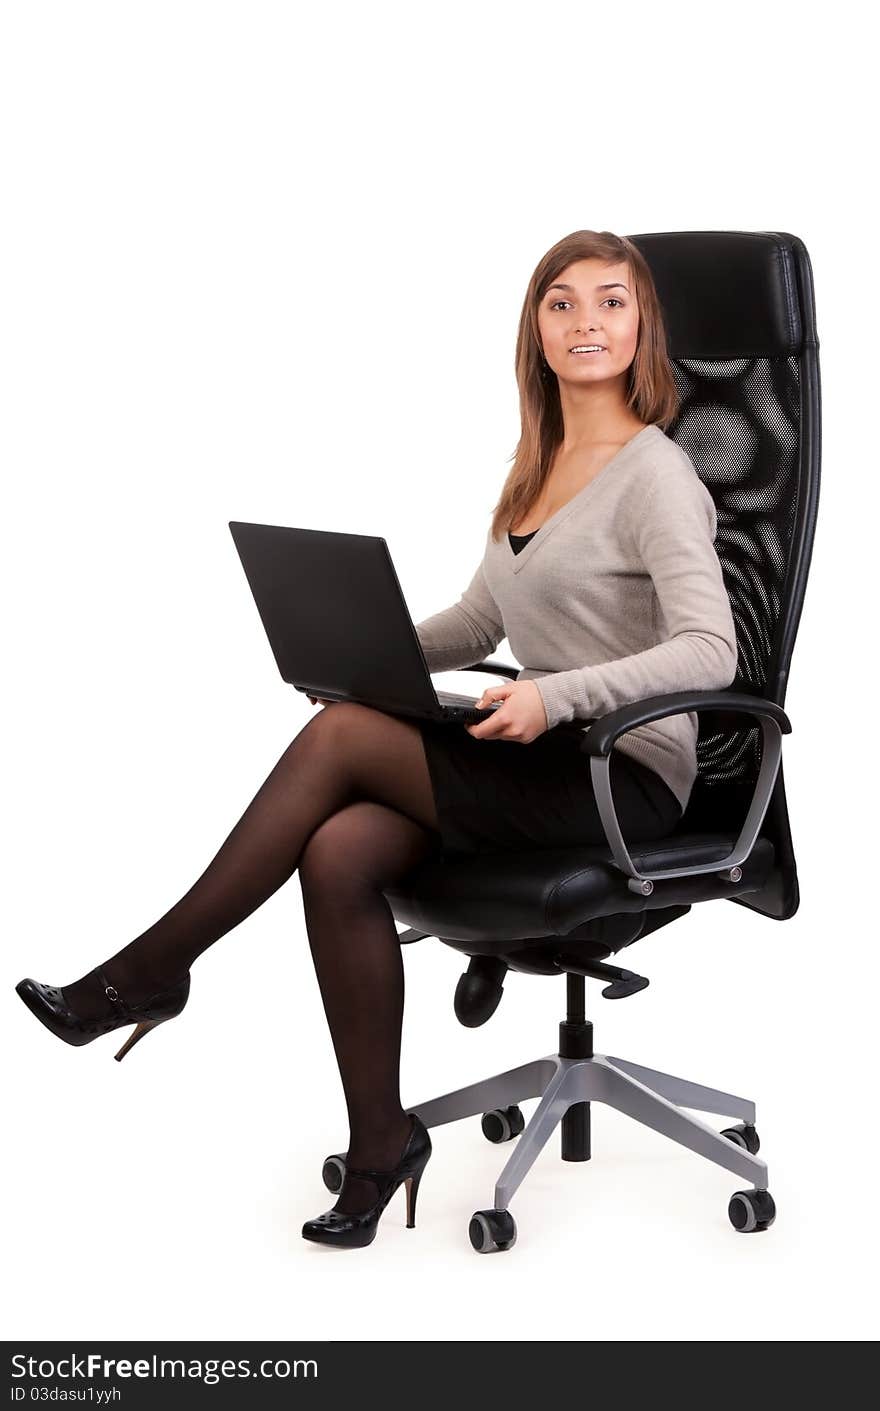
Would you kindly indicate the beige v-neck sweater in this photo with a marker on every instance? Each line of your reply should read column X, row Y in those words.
column 618, row 596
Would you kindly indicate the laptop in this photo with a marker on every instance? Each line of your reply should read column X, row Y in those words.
column 337, row 622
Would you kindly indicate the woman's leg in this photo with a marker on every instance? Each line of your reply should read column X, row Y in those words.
column 347, row 753
column 343, row 871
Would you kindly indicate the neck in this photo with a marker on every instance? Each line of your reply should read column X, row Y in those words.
column 595, row 415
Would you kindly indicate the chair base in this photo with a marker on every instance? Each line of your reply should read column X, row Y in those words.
column 655, row 1099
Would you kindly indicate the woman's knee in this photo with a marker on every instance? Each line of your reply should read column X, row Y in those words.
column 326, row 846
column 342, row 715
column 336, row 729
column 365, row 844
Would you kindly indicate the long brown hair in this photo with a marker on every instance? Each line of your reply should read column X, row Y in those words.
column 652, row 393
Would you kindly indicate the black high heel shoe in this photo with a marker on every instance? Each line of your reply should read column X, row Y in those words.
column 47, row 1002
column 353, row 1231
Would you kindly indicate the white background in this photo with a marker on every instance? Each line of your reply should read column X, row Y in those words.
column 266, row 261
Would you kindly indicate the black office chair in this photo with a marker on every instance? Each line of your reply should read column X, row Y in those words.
column 742, row 338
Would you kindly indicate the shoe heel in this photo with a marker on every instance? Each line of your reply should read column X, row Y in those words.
column 412, row 1190
column 137, row 1033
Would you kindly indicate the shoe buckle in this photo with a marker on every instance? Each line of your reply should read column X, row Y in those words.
column 111, row 992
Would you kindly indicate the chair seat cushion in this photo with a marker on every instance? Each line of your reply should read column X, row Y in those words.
column 493, row 898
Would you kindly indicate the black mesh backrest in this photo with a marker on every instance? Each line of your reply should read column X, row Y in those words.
column 742, row 339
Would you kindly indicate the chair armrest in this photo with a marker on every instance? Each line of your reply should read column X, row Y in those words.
column 498, row 668
column 600, row 737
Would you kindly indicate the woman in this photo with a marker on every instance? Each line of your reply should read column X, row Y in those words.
column 360, row 798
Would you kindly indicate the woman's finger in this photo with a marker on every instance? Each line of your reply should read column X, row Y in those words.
column 491, row 694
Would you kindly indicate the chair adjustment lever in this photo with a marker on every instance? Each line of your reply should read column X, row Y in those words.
column 624, row 982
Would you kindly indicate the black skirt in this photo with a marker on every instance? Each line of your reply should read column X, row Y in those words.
column 494, row 795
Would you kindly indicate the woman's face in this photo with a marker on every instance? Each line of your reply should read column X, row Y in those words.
column 591, row 302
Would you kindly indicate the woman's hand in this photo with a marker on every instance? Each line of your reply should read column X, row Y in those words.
column 319, row 700
column 521, row 718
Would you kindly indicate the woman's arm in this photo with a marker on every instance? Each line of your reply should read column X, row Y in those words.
column 465, row 633
column 675, row 537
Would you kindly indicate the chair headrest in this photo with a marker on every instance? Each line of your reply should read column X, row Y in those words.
column 727, row 294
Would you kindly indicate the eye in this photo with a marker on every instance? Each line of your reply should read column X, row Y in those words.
column 611, row 300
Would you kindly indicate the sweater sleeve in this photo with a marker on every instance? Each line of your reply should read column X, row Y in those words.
column 465, row 633
column 675, row 537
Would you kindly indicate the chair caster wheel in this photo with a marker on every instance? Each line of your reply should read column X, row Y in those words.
column 492, row 1231
column 334, row 1172
column 503, row 1124
column 745, row 1135
column 751, row 1210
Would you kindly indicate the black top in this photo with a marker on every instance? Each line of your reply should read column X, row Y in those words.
column 519, row 541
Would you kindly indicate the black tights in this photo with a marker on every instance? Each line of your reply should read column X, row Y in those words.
column 350, row 804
